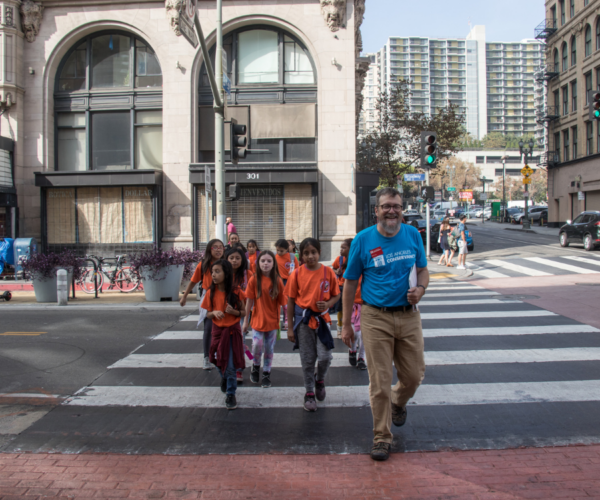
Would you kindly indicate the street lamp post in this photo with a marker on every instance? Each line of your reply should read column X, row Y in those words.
column 526, row 152
column 483, row 181
column 504, row 158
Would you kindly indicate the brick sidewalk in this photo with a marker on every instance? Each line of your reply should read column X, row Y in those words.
column 568, row 472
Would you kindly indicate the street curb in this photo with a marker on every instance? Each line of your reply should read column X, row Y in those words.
column 468, row 274
column 521, row 230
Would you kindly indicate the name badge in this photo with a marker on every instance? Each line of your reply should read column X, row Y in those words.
column 377, row 256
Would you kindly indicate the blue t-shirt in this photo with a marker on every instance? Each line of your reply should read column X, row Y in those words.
column 385, row 264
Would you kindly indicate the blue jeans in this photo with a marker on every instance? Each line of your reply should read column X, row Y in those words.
column 230, row 372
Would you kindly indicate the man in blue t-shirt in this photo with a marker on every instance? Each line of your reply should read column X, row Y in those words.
column 391, row 260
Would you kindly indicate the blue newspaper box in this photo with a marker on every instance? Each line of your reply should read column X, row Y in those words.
column 23, row 248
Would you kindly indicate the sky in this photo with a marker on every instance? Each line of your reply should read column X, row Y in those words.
column 504, row 20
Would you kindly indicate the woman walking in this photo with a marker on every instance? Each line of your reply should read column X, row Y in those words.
column 444, row 232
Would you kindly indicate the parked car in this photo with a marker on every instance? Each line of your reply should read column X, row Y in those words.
column 439, row 214
column 584, row 229
column 407, row 218
column 510, row 212
column 538, row 216
column 421, row 225
column 476, row 214
column 517, row 218
column 435, row 235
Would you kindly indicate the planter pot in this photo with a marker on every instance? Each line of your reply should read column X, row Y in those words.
column 164, row 285
column 45, row 289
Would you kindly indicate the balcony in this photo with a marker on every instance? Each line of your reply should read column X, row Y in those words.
column 546, row 29
column 547, row 114
column 546, row 73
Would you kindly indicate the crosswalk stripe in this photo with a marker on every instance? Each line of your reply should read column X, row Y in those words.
column 515, row 330
column 181, row 335
column 338, row 396
column 582, row 259
column 519, row 269
column 193, row 317
column 486, row 314
column 431, row 303
column 461, row 287
column 561, row 265
column 488, row 273
column 340, row 359
column 435, row 295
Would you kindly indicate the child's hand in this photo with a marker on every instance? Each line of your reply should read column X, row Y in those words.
column 245, row 327
column 291, row 337
column 230, row 310
column 322, row 306
column 218, row 314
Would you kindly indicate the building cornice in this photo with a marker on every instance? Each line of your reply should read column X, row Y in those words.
column 88, row 3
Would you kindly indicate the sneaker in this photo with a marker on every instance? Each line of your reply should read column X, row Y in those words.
column 254, row 374
column 398, row 415
column 266, row 380
column 461, row 267
column 240, row 377
column 380, row 451
column 230, row 402
column 207, row 364
column 223, row 385
column 352, row 358
column 320, row 390
column 309, row 402
column 361, row 365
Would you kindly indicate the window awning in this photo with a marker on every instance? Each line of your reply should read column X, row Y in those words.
column 99, row 178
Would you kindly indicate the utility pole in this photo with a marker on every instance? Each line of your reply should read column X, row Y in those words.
column 504, row 158
column 526, row 171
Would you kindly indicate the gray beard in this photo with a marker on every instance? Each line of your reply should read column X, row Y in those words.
column 390, row 229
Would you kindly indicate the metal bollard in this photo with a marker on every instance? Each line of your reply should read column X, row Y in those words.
column 62, row 287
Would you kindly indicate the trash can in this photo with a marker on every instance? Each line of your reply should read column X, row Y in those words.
column 23, row 248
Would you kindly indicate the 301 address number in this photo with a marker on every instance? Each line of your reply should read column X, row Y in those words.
column 252, row 177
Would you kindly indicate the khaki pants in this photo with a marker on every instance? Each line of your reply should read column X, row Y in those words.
column 391, row 337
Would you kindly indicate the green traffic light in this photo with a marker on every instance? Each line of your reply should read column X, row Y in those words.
column 597, row 114
column 430, row 159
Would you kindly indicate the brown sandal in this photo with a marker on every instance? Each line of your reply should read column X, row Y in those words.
column 449, row 265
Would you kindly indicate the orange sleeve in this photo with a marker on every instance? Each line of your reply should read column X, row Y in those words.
column 206, row 303
column 282, row 297
column 291, row 289
column 197, row 276
column 251, row 288
column 336, row 263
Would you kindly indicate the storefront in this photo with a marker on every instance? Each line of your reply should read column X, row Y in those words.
column 8, row 193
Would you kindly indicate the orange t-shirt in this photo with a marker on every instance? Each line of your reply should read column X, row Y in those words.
column 309, row 287
column 220, row 304
column 249, row 275
column 252, row 261
column 206, row 280
column 357, row 297
column 265, row 315
column 286, row 265
column 336, row 265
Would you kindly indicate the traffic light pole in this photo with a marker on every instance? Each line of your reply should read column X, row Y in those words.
column 427, row 219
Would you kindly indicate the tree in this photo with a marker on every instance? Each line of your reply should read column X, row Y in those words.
column 458, row 173
column 394, row 147
column 539, row 186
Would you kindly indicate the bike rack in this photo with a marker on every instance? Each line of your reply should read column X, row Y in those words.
column 95, row 264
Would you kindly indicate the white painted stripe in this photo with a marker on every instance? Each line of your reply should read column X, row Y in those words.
column 519, row 269
column 340, row 359
column 582, row 259
column 488, row 273
column 460, row 287
column 193, row 317
column 182, row 335
column 435, row 295
column 338, row 396
column 486, row 314
column 35, row 395
column 560, row 265
column 432, row 303
column 515, row 330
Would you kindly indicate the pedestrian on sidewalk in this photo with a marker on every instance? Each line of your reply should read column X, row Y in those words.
column 230, row 227
column 203, row 275
column 444, row 232
column 391, row 260
column 312, row 290
column 339, row 265
column 265, row 297
column 286, row 263
column 462, row 243
column 226, row 306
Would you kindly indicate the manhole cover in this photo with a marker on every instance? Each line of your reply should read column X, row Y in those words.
column 517, row 297
column 588, row 284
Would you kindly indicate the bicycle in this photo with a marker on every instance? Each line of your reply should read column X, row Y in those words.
column 121, row 276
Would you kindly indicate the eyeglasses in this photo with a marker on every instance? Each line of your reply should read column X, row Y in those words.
column 387, row 208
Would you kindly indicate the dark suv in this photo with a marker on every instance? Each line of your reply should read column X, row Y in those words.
column 584, row 229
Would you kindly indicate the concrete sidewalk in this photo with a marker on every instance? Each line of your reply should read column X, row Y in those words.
column 535, row 229
column 569, row 472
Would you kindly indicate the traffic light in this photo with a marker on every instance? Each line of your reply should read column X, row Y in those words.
column 429, row 147
column 235, row 191
column 237, row 137
column 594, row 100
column 427, row 193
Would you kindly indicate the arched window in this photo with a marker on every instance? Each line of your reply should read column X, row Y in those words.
column 597, row 33
column 556, row 61
column 565, row 57
column 121, row 129
column 573, row 51
column 588, row 40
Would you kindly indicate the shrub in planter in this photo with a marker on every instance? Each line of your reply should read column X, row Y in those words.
column 162, row 271
column 41, row 269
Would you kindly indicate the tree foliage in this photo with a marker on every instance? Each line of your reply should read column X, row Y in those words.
column 458, row 173
column 494, row 141
column 393, row 148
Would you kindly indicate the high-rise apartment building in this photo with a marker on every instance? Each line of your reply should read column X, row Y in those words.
column 493, row 84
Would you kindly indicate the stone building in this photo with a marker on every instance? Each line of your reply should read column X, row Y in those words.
column 572, row 34
column 107, row 122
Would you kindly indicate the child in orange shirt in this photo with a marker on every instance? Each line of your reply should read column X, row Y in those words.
column 339, row 264
column 202, row 274
column 312, row 290
column 252, row 254
column 286, row 263
column 265, row 294
column 225, row 306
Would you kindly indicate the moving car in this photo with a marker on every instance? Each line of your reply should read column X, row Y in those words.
column 421, row 225
column 584, row 229
column 435, row 235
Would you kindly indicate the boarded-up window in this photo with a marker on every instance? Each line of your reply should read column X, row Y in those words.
column 298, row 211
column 60, row 208
column 138, row 214
column 111, row 225
column 88, row 215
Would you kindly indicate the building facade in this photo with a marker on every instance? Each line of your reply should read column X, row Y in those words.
column 108, row 128
column 572, row 34
column 493, row 84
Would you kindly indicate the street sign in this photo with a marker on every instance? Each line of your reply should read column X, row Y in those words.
column 465, row 195
column 186, row 27
column 526, row 194
column 527, row 171
column 581, row 196
column 438, row 196
column 414, row 177
column 483, row 196
column 526, row 180
column 190, row 9
column 451, row 189
column 451, row 198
